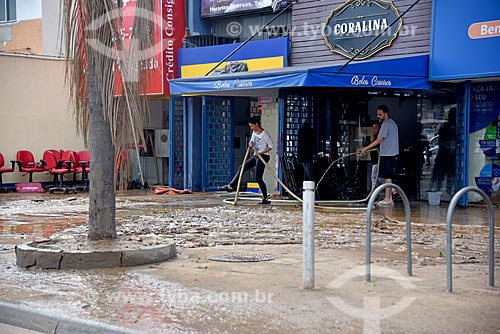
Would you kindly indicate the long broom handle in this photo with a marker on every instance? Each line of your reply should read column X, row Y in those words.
column 241, row 176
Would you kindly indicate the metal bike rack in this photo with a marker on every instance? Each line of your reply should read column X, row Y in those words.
column 491, row 257
column 369, row 221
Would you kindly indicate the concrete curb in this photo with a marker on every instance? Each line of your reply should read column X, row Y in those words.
column 33, row 255
column 41, row 322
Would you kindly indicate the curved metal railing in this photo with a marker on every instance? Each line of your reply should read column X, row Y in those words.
column 406, row 203
column 491, row 256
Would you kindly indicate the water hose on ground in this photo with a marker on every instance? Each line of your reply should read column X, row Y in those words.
column 271, row 171
column 294, row 195
column 277, row 178
column 356, row 200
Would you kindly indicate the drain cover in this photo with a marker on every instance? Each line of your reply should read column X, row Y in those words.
column 241, row 258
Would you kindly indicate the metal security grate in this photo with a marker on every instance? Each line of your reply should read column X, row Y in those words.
column 217, row 142
column 241, row 258
column 298, row 110
column 177, row 158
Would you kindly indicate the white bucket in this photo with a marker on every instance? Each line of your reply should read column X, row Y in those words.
column 434, row 197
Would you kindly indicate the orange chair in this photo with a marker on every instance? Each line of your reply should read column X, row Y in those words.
column 4, row 170
column 26, row 163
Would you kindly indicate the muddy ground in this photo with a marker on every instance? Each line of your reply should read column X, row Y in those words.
column 192, row 294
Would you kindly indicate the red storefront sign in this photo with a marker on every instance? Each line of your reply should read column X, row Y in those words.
column 174, row 29
column 149, row 60
column 161, row 62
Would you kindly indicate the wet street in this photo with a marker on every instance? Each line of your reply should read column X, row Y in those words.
column 191, row 294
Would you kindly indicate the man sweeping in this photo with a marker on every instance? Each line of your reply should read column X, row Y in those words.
column 262, row 143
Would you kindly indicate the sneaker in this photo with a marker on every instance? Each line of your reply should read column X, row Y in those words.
column 265, row 201
column 226, row 188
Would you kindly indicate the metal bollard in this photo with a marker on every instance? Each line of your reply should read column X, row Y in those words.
column 308, row 235
column 449, row 216
column 368, row 244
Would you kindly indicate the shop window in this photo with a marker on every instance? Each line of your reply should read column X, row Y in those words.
column 438, row 144
column 7, row 11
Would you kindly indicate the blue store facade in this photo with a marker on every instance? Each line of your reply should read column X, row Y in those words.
column 313, row 85
column 465, row 44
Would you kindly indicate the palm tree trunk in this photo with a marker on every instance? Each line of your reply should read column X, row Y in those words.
column 105, row 118
column 102, row 190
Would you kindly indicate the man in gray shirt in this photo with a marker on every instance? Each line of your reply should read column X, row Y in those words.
column 388, row 138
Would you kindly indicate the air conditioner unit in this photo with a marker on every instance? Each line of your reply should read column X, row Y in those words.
column 162, row 143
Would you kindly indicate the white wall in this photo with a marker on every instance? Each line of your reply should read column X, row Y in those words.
column 30, row 9
column 35, row 113
column 52, row 39
column 270, row 122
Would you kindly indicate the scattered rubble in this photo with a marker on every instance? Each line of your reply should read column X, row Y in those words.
column 146, row 221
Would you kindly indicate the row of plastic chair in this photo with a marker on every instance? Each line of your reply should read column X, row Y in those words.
column 56, row 162
column 60, row 163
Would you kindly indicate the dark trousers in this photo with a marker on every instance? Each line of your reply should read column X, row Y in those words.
column 254, row 161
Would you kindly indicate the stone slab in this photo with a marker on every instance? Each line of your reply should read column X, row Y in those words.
column 148, row 254
column 90, row 259
column 25, row 256
column 29, row 255
column 48, row 258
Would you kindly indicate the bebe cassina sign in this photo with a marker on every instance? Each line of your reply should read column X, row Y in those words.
column 354, row 24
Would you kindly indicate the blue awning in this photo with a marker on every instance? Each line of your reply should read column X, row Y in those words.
column 399, row 73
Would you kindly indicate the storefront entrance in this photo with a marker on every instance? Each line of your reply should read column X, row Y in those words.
column 322, row 132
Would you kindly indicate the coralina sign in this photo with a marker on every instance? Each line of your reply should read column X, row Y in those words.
column 353, row 25
column 174, row 31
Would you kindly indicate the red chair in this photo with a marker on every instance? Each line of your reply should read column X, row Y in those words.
column 84, row 168
column 26, row 163
column 56, row 153
column 66, row 165
column 84, row 156
column 50, row 162
column 4, row 170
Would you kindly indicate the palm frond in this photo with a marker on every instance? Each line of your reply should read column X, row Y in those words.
column 91, row 29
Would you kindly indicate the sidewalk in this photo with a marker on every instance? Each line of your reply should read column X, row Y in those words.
column 192, row 294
